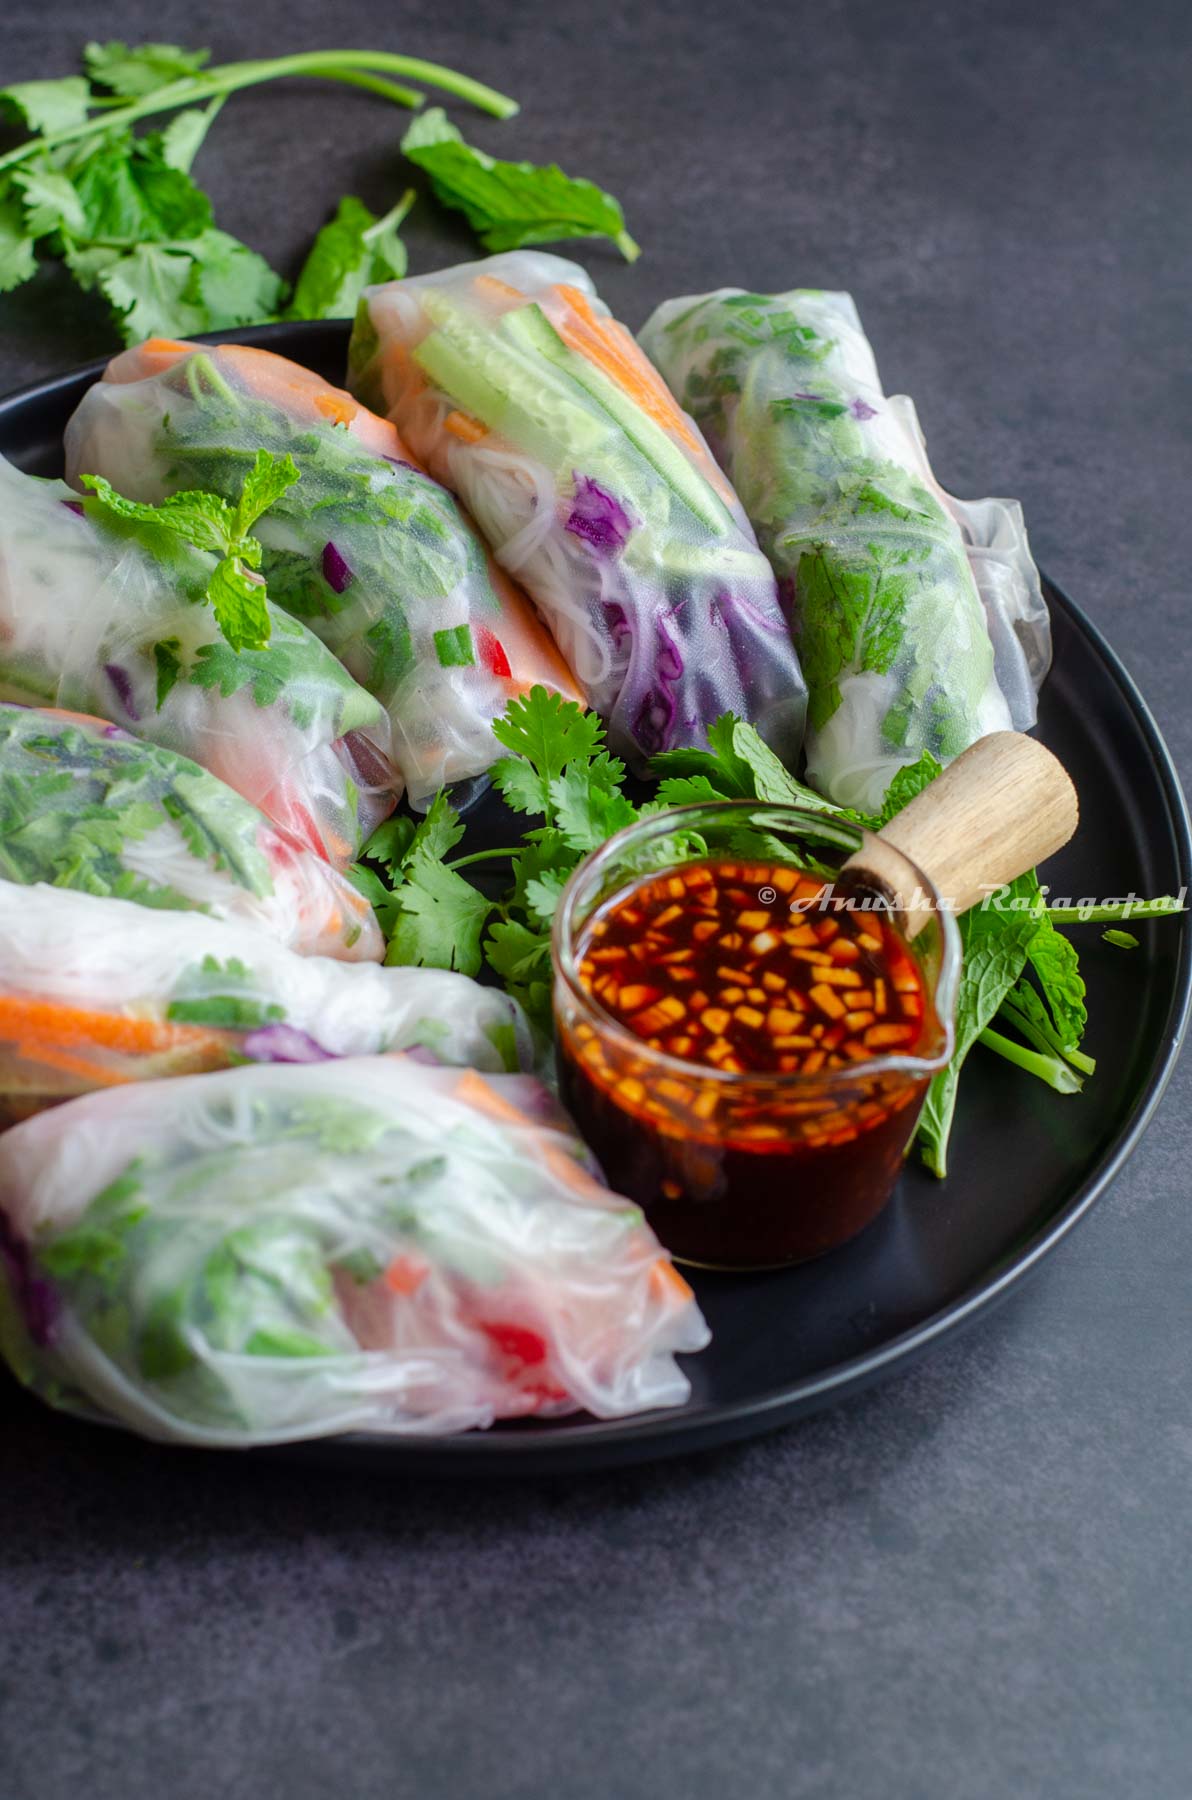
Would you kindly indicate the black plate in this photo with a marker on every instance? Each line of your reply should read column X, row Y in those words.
column 1027, row 1165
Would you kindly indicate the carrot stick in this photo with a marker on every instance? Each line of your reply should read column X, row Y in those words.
column 596, row 339
column 461, row 426
column 58, row 1023
column 607, row 344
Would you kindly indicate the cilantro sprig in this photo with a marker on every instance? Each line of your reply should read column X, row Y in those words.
column 207, row 522
column 1019, row 969
column 123, row 213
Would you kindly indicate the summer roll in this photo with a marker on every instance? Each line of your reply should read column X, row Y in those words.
column 95, row 992
column 97, row 619
column 919, row 618
column 510, row 380
column 276, row 1253
column 369, row 552
column 85, row 806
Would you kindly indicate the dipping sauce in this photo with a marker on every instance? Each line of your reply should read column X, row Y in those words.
column 740, row 1103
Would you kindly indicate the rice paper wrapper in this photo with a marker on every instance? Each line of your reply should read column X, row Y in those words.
column 365, row 549
column 278, row 1253
column 511, row 381
column 85, row 806
column 919, row 618
column 93, row 621
column 95, row 992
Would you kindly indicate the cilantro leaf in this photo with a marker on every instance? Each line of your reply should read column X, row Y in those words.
column 51, row 203
column 142, row 69
column 511, row 204
column 131, row 196
column 520, row 785
column 438, row 831
column 352, row 251
column 440, row 917
column 549, row 732
column 18, row 261
column 183, row 137
column 147, row 290
column 232, row 284
column 46, row 106
column 687, row 790
column 587, row 812
column 390, row 844
column 521, row 957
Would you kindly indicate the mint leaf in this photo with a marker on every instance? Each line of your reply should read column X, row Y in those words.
column 907, row 783
column 46, row 106
column 511, row 204
column 1056, row 965
column 352, row 251
column 268, row 479
column 203, row 519
column 995, row 940
column 142, row 69
column 237, row 594
column 238, row 598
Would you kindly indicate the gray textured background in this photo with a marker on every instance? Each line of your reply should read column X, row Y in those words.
column 973, row 1583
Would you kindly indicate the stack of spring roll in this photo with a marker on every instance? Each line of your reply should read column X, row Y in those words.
column 284, row 1192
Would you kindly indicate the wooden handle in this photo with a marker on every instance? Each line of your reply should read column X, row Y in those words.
column 999, row 809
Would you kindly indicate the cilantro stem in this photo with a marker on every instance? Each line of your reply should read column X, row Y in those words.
column 461, row 862
column 628, row 247
column 359, row 68
column 1050, row 1069
column 1165, row 907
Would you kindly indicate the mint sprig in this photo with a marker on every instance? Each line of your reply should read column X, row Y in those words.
column 235, row 589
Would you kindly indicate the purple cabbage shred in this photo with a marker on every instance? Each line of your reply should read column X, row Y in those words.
column 283, row 1044
column 35, row 1296
column 75, row 506
column 121, row 682
column 598, row 518
column 861, row 409
column 336, row 572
